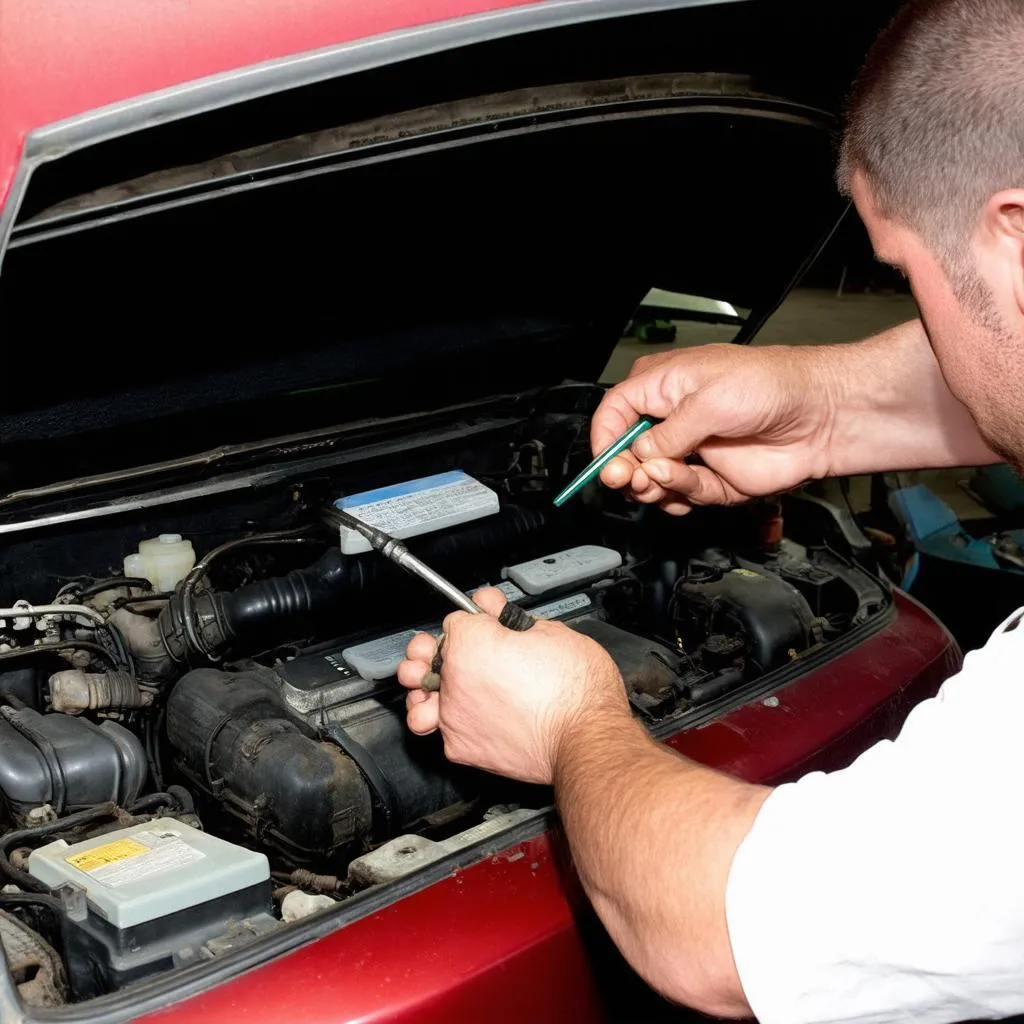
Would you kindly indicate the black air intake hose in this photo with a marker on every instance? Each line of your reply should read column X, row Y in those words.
column 276, row 602
column 259, row 613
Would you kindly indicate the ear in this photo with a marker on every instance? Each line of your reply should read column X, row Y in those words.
column 1002, row 219
column 1002, row 232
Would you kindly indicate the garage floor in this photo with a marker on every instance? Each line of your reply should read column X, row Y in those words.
column 806, row 318
column 813, row 318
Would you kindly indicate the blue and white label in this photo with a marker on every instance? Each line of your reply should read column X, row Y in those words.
column 417, row 507
column 564, row 606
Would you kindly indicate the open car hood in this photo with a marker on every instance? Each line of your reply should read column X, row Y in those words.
column 399, row 263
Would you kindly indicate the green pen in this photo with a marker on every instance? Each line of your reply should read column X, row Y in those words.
column 602, row 460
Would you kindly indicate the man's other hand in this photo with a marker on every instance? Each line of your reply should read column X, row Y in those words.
column 760, row 419
column 508, row 699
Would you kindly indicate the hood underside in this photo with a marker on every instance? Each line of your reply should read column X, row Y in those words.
column 478, row 247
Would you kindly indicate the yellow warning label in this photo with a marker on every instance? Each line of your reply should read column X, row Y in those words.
column 746, row 572
column 99, row 856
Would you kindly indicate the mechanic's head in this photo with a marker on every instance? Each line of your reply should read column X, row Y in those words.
column 933, row 156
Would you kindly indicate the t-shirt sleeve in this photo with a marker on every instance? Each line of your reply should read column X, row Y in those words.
column 893, row 890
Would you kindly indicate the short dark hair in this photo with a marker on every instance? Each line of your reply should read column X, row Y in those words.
column 936, row 117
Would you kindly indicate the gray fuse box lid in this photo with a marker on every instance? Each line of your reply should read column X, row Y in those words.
column 563, row 569
column 147, row 871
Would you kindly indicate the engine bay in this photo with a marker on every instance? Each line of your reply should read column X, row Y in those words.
column 201, row 737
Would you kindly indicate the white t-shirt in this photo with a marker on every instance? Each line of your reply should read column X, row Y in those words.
column 893, row 890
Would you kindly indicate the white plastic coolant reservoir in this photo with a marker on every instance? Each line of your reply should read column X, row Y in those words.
column 163, row 560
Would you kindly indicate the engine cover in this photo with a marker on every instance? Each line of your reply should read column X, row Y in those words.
column 771, row 615
column 66, row 762
column 312, row 792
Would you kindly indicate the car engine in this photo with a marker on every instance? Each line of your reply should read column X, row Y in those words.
column 239, row 713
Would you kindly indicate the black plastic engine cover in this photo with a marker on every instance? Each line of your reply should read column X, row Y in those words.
column 311, row 789
column 236, row 740
column 771, row 615
column 645, row 665
column 66, row 762
column 409, row 776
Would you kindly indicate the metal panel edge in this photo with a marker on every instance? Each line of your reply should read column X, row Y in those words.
column 251, row 82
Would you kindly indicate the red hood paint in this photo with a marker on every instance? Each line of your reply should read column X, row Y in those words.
column 62, row 58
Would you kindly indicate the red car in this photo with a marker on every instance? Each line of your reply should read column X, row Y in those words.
column 286, row 259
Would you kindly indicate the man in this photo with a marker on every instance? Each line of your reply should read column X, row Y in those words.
column 893, row 889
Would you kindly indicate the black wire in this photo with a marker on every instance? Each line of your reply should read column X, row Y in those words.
column 37, row 901
column 154, row 800
column 122, row 650
column 124, row 602
column 154, row 768
column 21, row 878
column 114, row 583
column 118, row 658
column 62, row 645
column 122, row 659
column 156, row 742
column 17, row 900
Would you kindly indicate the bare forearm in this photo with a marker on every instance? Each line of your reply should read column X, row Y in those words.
column 893, row 409
column 653, row 837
